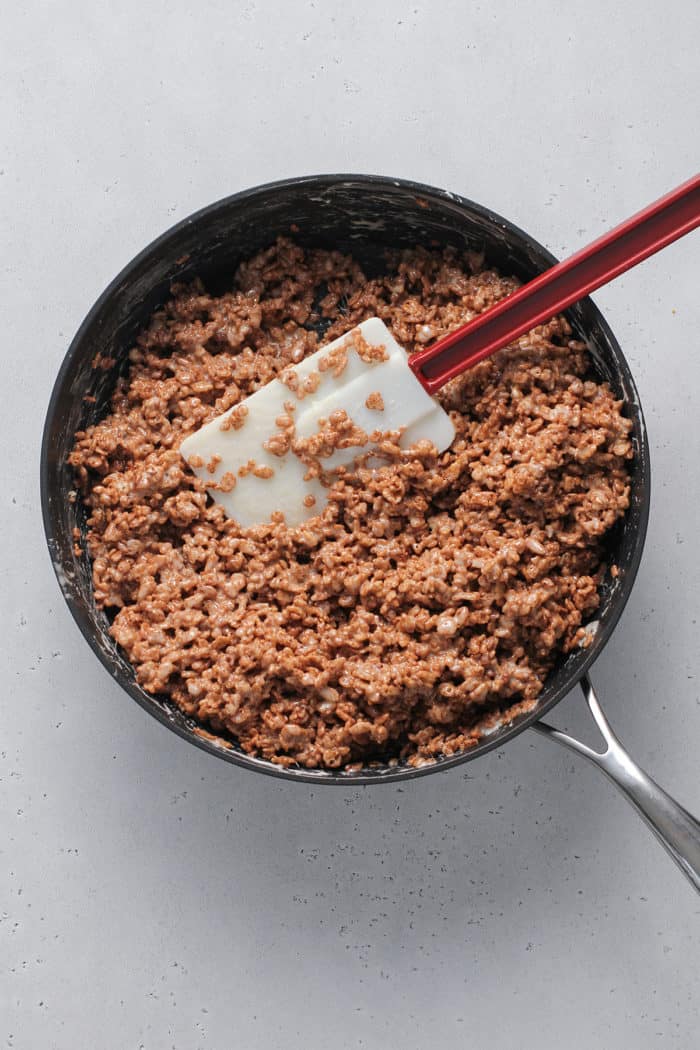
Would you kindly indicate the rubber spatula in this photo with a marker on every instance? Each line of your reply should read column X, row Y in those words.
column 255, row 458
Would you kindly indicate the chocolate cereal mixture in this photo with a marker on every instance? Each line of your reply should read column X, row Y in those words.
column 427, row 599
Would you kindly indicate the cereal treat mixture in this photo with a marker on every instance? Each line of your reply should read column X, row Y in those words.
column 428, row 598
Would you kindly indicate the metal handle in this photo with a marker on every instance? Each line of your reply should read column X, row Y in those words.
column 676, row 829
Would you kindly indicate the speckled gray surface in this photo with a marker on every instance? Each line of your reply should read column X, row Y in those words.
column 153, row 898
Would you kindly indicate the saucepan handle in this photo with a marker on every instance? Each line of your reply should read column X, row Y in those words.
column 676, row 829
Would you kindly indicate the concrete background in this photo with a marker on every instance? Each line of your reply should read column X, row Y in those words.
column 155, row 898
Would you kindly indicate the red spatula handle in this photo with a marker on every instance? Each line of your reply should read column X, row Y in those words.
column 628, row 244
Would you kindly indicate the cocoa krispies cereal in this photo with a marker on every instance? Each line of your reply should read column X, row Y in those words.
column 428, row 598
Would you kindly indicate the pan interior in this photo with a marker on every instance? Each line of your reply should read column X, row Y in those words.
column 362, row 215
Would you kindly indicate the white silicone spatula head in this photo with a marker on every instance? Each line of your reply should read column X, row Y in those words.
column 280, row 448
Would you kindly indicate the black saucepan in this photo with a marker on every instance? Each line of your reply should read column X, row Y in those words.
column 362, row 214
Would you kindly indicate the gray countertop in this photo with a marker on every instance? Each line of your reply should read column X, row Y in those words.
column 152, row 897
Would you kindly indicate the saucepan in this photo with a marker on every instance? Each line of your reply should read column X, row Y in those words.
column 364, row 215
